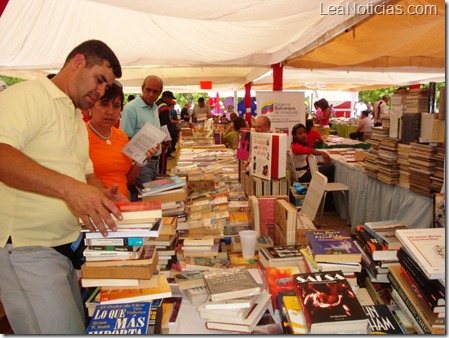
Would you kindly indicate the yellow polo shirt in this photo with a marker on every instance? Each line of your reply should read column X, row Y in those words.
column 41, row 121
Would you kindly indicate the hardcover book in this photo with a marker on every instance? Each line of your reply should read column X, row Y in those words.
column 381, row 320
column 120, row 319
column 230, row 283
column 329, row 304
column 333, row 246
column 269, row 151
column 428, row 248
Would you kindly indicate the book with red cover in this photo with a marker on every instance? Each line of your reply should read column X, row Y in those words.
column 140, row 210
column 268, row 155
column 280, row 279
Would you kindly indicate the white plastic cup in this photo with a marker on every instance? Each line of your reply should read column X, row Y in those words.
column 248, row 240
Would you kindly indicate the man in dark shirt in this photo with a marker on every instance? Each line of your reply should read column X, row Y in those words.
column 163, row 106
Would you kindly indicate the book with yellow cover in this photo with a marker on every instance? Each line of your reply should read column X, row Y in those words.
column 136, row 295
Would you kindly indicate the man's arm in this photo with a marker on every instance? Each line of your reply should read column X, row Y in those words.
column 87, row 202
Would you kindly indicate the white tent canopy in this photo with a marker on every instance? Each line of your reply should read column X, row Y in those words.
column 184, row 41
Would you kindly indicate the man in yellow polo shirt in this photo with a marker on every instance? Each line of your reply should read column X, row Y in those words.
column 44, row 168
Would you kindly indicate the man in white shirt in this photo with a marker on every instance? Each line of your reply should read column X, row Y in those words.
column 358, row 108
column 201, row 111
column 380, row 110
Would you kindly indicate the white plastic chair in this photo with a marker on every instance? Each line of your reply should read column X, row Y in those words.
column 330, row 186
column 312, row 200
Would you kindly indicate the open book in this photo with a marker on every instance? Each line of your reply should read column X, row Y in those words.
column 148, row 136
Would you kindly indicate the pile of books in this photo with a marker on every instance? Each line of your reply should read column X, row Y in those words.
column 418, row 283
column 236, row 302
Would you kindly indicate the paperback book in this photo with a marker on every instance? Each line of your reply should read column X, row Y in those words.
column 329, row 304
column 385, row 232
column 230, row 283
column 160, row 185
column 382, row 320
column 428, row 248
column 281, row 255
column 120, row 319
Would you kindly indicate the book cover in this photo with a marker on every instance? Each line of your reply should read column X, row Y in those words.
column 121, row 296
column 428, row 248
column 206, row 263
column 130, row 318
column 333, row 246
column 160, row 185
column 269, row 155
column 329, row 304
column 236, row 259
column 381, row 320
column 148, row 136
column 295, row 314
column 281, row 255
column 280, row 279
column 230, row 283
column 187, row 280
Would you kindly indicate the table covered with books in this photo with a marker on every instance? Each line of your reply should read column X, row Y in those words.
column 333, row 141
column 371, row 200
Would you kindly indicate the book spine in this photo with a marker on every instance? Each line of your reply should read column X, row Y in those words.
column 395, row 285
column 275, row 156
column 130, row 241
column 110, row 248
column 395, row 296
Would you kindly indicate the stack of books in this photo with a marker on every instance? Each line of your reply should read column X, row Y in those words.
column 403, row 152
column 422, row 167
column 236, row 302
column 387, row 165
column 419, row 282
column 376, row 257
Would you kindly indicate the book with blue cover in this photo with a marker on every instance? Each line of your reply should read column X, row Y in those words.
column 333, row 246
column 128, row 318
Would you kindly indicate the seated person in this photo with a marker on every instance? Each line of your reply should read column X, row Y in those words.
column 224, row 119
column 300, row 150
column 229, row 127
column 111, row 166
column 313, row 135
column 365, row 125
column 230, row 138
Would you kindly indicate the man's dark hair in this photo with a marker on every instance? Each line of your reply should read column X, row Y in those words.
column 201, row 99
column 96, row 52
column 365, row 112
column 239, row 123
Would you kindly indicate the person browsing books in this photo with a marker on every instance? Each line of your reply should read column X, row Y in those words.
column 106, row 141
column 365, row 126
column 136, row 113
column 323, row 117
column 47, row 184
column 230, row 139
column 300, row 150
